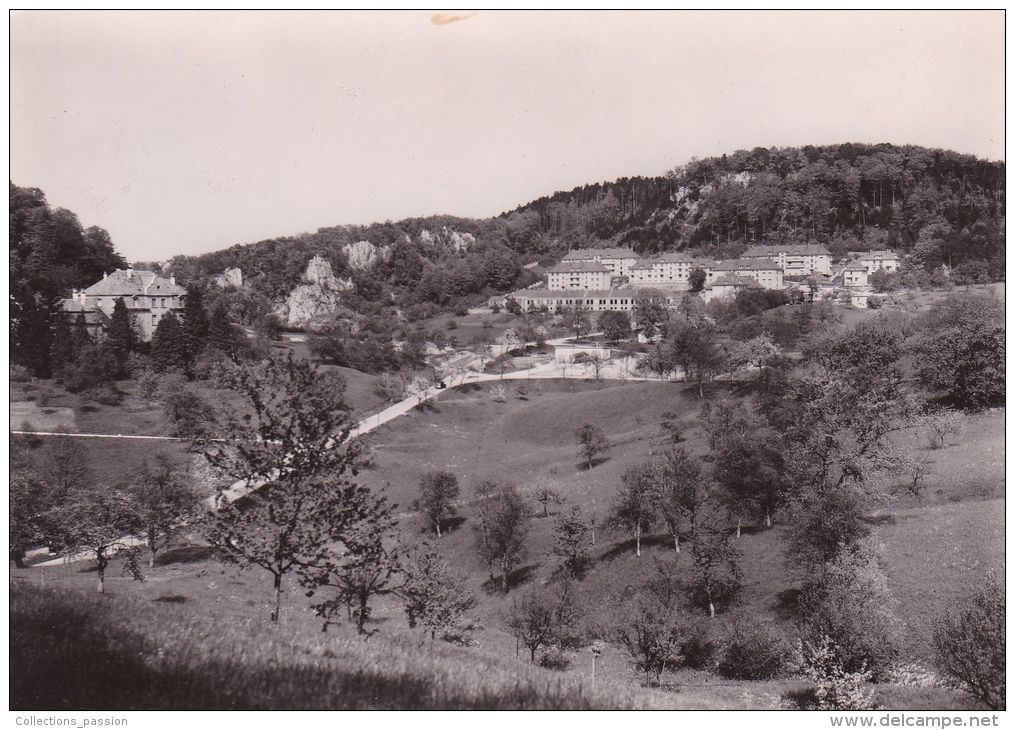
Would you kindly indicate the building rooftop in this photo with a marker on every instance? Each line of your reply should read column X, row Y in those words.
column 758, row 264
column 798, row 249
column 879, row 256
column 580, row 254
column 617, row 291
column 134, row 282
column 576, row 266
column 732, row 280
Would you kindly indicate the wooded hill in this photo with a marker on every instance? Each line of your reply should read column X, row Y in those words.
column 942, row 206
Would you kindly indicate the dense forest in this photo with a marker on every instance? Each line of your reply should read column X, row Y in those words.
column 941, row 206
column 50, row 254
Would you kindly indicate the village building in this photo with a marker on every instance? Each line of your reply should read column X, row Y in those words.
column 622, row 298
column 854, row 274
column 618, row 260
column 887, row 261
column 666, row 268
column 148, row 296
column 764, row 271
column 581, row 274
column 728, row 286
column 795, row 259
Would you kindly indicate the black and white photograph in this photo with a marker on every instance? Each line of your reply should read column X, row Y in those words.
column 507, row 360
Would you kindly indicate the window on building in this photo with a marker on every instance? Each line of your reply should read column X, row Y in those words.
column 155, row 319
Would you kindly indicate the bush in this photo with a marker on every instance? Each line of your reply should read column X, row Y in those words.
column 554, row 658
column 699, row 649
column 105, row 394
column 970, row 646
column 752, row 652
column 19, row 374
column 835, row 687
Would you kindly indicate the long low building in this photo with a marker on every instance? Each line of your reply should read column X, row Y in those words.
column 618, row 299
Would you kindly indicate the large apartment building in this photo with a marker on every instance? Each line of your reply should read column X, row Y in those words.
column 795, row 259
column 666, row 268
column 764, row 271
column 148, row 296
column 578, row 274
column 618, row 260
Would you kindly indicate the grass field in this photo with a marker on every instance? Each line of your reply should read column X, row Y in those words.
column 936, row 548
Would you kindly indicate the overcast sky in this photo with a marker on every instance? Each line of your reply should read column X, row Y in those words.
column 189, row 132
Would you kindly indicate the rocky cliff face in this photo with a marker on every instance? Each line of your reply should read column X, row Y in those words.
column 449, row 238
column 229, row 278
column 363, row 254
column 317, row 297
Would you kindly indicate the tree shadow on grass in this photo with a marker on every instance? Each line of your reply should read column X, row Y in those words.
column 517, row 577
column 629, row 546
column 584, row 466
column 185, row 554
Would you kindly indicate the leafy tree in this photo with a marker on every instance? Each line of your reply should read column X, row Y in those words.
column 633, row 507
column 169, row 348
column 162, row 501
column 970, row 645
column 189, row 414
column 29, row 500
column 695, row 348
column 501, row 531
column 591, row 442
column 579, row 321
column 716, row 574
column 222, row 334
column 434, row 594
column 681, row 492
column 365, row 569
column 195, row 323
column 95, row 366
column 616, row 326
column 121, row 337
column 696, row 279
column 961, row 351
column 61, row 352
column 569, row 531
column 63, row 467
column 747, row 462
column 758, row 351
column 652, row 636
column 98, row 522
column 438, row 492
column 850, row 603
column 542, row 617
column 287, row 438
column 939, row 425
column 835, row 687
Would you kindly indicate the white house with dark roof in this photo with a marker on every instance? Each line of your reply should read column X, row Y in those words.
column 578, row 274
column 795, row 259
column 854, row 274
column 728, row 285
column 618, row 260
column 148, row 296
column 880, row 261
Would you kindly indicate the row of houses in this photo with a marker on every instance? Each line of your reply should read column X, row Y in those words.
column 610, row 278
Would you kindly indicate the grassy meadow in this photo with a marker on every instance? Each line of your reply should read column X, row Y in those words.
column 195, row 634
